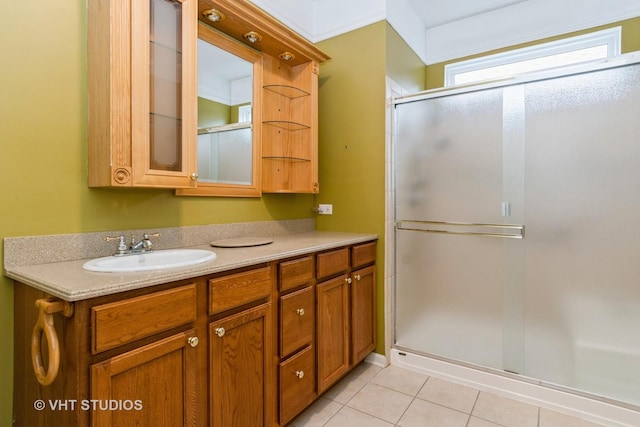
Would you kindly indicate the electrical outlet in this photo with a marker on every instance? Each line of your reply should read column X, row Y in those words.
column 325, row 209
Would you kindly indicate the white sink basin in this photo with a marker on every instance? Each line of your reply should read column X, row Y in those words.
column 153, row 260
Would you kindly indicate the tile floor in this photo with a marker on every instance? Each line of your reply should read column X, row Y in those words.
column 371, row 396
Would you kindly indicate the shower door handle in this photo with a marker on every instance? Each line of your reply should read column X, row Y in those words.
column 509, row 231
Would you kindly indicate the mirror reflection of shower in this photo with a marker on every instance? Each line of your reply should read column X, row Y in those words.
column 225, row 143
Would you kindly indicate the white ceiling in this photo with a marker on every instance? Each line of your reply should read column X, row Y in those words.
column 437, row 12
column 441, row 30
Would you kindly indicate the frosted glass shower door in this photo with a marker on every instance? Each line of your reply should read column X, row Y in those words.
column 583, row 232
column 458, row 208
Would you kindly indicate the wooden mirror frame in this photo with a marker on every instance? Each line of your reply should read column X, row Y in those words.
column 254, row 189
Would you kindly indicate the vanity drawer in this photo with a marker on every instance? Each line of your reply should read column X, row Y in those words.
column 297, row 320
column 363, row 254
column 297, row 384
column 331, row 263
column 121, row 322
column 239, row 289
column 296, row 273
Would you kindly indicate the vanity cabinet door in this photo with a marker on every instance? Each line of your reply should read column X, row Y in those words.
column 297, row 383
column 240, row 369
column 153, row 385
column 297, row 320
column 363, row 313
column 142, row 93
column 332, row 330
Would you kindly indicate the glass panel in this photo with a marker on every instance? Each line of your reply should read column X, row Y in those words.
column 583, row 205
column 449, row 158
column 225, row 140
column 449, row 296
column 454, row 292
column 535, row 64
column 226, row 156
column 166, row 85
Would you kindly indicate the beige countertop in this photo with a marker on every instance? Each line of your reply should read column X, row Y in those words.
column 69, row 281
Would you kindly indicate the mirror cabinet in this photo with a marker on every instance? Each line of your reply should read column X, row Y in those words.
column 159, row 115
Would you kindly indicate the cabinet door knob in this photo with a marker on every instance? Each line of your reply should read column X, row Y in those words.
column 358, row 277
column 300, row 311
column 348, row 280
column 193, row 341
column 220, row 332
column 194, row 176
column 300, row 374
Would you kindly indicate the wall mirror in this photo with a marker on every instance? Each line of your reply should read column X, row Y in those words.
column 229, row 114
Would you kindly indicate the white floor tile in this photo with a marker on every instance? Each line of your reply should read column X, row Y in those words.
column 318, row 414
column 479, row 422
column 399, row 379
column 451, row 395
column 364, row 371
column 422, row 413
column 504, row 411
column 345, row 390
column 381, row 402
column 348, row 417
column 550, row 418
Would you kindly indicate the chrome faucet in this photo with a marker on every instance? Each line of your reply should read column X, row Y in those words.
column 143, row 245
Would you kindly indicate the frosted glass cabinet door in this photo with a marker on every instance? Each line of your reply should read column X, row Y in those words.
column 163, row 92
column 583, row 233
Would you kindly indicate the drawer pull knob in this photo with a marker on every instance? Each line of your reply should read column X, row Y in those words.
column 193, row 341
column 300, row 311
column 300, row 374
column 44, row 327
column 220, row 332
column 348, row 280
column 358, row 277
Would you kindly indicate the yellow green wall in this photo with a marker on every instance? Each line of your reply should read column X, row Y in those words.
column 351, row 137
column 404, row 67
column 211, row 113
column 630, row 43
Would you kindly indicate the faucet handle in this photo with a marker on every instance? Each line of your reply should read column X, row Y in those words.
column 146, row 241
column 122, row 244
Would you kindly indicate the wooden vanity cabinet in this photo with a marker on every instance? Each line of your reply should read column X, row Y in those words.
column 142, row 69
column 253, row 346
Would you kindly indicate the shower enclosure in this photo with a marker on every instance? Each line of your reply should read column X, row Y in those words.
column 518, row 227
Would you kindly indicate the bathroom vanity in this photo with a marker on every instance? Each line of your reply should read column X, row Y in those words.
column 249, row 339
